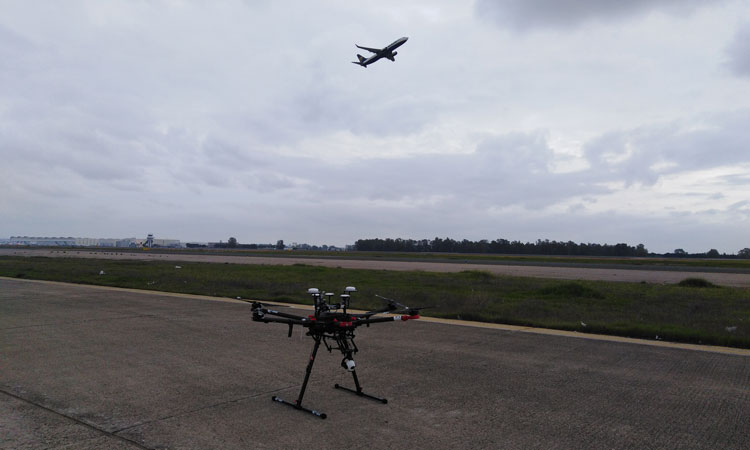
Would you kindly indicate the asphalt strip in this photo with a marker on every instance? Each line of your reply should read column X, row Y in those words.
column 463, row 323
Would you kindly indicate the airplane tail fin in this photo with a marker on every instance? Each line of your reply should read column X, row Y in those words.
column 361, row 61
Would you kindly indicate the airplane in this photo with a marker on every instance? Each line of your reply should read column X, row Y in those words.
column 387, row 52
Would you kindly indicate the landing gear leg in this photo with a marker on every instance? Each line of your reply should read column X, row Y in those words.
column 298, row 403
column 358, row 391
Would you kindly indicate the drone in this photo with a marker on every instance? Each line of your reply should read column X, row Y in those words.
column 335, row 329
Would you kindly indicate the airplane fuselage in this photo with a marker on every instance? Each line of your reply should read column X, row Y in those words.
column 388, row 52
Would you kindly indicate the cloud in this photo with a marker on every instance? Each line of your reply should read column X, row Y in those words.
column 522, row 15
column 13, row 47
column 643, row 155
column 738, row 52
column 517, row 168
column 505, row 174
column 502, row 171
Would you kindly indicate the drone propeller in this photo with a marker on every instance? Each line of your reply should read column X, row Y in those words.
column 392, row 304
column 411, row 311
column 399, row 308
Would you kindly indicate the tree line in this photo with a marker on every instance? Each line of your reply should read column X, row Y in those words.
column 540, row 247
column 232, row 243
column 499, row 246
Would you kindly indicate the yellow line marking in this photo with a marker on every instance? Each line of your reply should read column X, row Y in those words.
column 463, row 323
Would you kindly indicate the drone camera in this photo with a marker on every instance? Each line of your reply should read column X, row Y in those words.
column 348, row 364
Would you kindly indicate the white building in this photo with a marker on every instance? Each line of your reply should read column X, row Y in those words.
column 88, row 242
column 43, row 241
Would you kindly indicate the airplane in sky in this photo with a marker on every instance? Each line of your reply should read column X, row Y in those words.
column 387, row 52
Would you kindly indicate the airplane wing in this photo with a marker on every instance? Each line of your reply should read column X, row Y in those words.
column 372, row 50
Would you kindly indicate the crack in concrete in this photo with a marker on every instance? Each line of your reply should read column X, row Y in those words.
column 75, row 420
column 203, row 408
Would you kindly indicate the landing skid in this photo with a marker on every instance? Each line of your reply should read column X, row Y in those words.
column 358, row 390
column 300, row 407
column 361, row 394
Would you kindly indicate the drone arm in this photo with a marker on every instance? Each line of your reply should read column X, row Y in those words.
column 284, row 315
column 290, row 322
column 267, row 319
column 260, row 311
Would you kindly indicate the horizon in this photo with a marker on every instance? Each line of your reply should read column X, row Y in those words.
column 291, row 243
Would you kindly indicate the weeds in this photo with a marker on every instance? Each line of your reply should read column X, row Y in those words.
column 571, row 290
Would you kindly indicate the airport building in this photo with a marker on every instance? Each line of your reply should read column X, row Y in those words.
column 169, row 243
column 43, row 241
column 89, row 242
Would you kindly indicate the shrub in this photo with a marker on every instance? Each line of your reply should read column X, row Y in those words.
column 696, row 282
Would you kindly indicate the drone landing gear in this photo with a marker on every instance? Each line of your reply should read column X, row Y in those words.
column 300, row 407
column 358, row 391
column 298, row 403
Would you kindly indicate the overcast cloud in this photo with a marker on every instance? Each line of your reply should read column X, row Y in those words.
column 529, row 14
column 738, row 52
column 591, row 121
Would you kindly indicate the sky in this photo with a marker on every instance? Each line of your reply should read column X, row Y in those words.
column 596, row 121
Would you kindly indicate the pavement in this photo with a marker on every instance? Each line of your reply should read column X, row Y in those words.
column 92, row 368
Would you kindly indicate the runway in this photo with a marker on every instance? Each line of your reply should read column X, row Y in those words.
column 601, row 273
column 90, row 368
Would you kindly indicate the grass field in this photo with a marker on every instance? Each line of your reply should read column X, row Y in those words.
column 703, row 264
column 696, row 312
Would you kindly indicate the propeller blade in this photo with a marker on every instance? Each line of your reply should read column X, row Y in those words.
column 411, row 311
column 399, row 308
column 391, row 302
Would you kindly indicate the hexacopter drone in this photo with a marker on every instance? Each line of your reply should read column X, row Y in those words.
column 336, row 330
